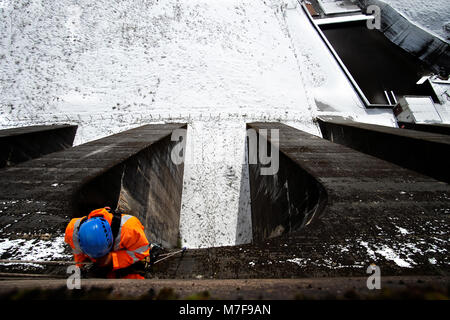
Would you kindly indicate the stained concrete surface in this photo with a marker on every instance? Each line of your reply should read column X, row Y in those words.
column 40, row 196
column 284, row 202
column 22, row 144
column 376, row 212
column 151, row 188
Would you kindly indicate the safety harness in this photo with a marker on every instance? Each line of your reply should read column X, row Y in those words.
column 115, row 224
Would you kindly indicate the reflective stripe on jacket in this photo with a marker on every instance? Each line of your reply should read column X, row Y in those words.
column 130, row 244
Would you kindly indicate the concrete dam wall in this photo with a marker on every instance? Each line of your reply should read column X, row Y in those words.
column 22, row 144
column 147, row 185
column 286, row 201
column 328, row 211
column 423, row 152
column 375, row 212
column 132, row 170
column 433, row 128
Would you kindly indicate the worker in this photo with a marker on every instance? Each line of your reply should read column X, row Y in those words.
column 114, row 242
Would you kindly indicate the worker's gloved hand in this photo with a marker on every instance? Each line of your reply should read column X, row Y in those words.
column 104, row 261
column 155, row 251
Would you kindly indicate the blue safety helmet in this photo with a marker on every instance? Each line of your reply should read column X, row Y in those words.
column 95, row 237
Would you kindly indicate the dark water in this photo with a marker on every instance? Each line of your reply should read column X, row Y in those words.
column 375, row 63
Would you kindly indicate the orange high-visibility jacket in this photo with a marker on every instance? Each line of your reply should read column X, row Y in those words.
column 130, row 245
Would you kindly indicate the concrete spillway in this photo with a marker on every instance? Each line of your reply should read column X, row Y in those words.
column 21, row 144
column 216, row 197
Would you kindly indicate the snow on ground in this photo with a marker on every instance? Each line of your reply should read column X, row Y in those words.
column 215, row 158
column 338, row 6
column 394, row 244
column 402, row 251
column 432, row 15
column 442, row 89
column 109, row 66
column 397, row 250
column 34, row 250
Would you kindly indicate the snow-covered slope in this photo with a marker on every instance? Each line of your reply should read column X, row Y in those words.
column 159, row 58
column 109, row 65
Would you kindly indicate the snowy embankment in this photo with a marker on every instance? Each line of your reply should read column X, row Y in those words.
column 112, row 65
